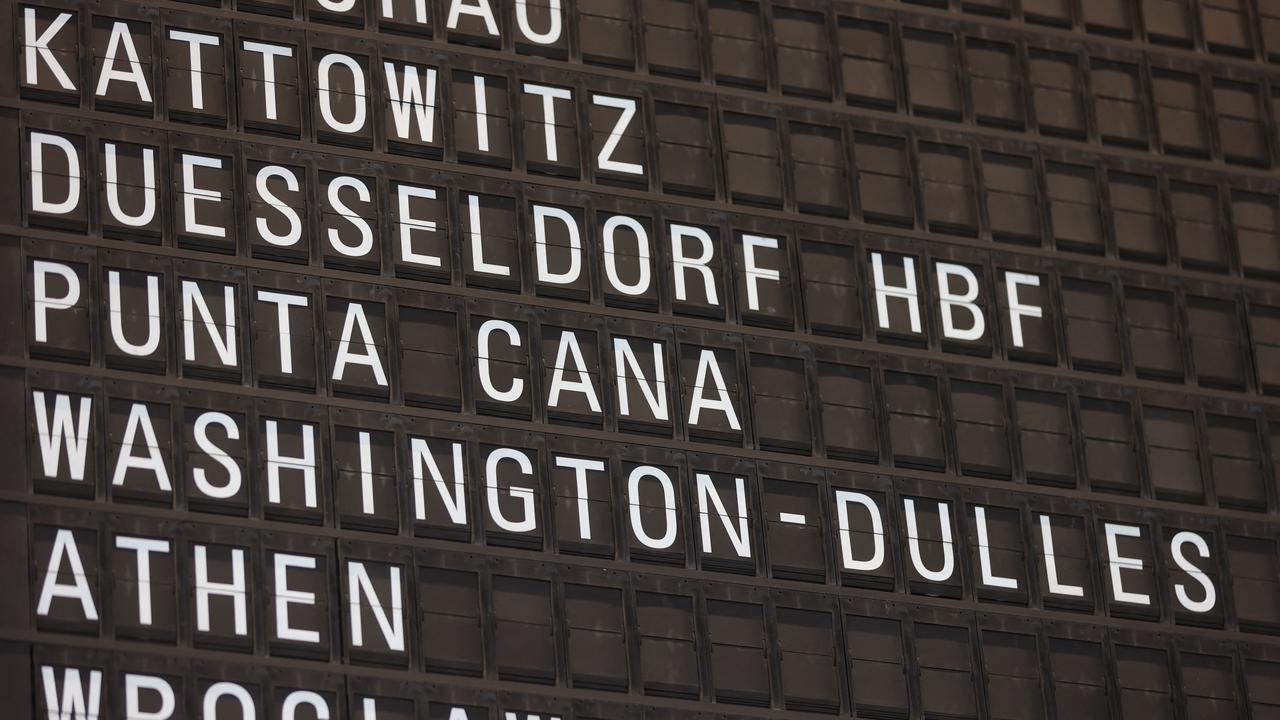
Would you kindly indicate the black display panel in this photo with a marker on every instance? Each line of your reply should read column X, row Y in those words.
column 529, row 359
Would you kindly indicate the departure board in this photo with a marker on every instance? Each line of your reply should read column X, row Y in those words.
column 640, row 359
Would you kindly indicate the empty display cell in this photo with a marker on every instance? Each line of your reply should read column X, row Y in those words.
column 597, row 646
column 995, row 83
column 829, row 277
column 523, row 633
column 930, row 61
column 1142, row 674
column 1269, row 28
column 1197, row 226
column 753, row 163
column 946, row 670
column 1226, row 26
column 452, row 638
column 1012, row 665
column 685, row 161
column 1257, row 229
column 1235, row 459
column 1045, row 437
column 605, row 32
column 1173, row 459
column 1092, row 328
column 1264, row 331
column 807, row 659
column 800, row 39
column 1110, row 452
column 739, row 660
column 997, row 8
column 915, row 420
column 1254, row 570
column 818, row 170
column 1079, row 678
column 946, row 177
column 867, row 61
column 982, row 442
column 884, row 179
column 877, row 665
column 1180, row 113
column 1168, row 22
column 1209, row 686
column 1013, row 208
column 1047, row 12
column 1153, row 334
column 1056, row 93
column 671, row 37
column 1118, row 101
column 668, row 648
column 779, row 397
column 1263, row 681
column 1107, row 18
column 1214, row 327
column 848, row 412
column 737, row 43
column 1075, row 207
column 1241, row 123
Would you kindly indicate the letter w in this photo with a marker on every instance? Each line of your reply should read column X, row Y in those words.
column 410, row 96
column 73, row 705
column 67, row 430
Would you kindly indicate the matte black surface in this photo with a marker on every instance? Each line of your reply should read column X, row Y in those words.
column 1003, row 272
